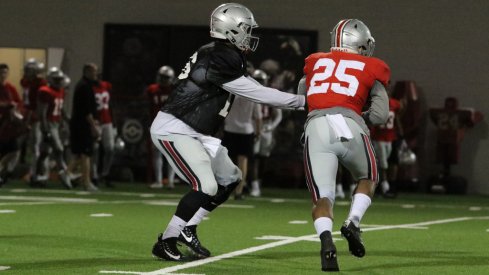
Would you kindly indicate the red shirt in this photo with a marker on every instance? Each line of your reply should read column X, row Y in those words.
column 54, row 99
column 157, row 95
column 102, row 97
column 9, row 98
column 339, row 79
column 387, row 131
column 30, row 89
column 451, row 124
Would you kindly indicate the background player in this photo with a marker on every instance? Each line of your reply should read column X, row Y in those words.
column 338, row 85
column 195, row 111
column 157, row 94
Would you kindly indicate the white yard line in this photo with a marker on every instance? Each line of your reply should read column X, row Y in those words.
column 49, row 199
column 167, row 270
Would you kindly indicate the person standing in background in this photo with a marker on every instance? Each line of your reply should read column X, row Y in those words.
column 157, row 94
column 11, row 125
column 84, row 130
column 102, row 90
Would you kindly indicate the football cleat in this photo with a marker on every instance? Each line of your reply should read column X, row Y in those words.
column 329, row 262
column 188, row 237
column 352, row 235
column 167, row 249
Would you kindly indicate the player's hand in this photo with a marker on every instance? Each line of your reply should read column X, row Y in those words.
column 46, row 136
column 95, row 131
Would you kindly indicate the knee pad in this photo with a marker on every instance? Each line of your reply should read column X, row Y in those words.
column 224, row 192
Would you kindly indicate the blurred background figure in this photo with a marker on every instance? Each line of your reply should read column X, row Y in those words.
column 31, row 81
column 241, row 127
column 11, row 126
column 51, row 115
column 451, row 123
column 105, row 145
column 157, row 94
column 271, row 118
column 84, row 130
column 382, row 138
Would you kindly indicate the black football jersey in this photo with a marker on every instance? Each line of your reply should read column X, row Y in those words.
column 198, row 99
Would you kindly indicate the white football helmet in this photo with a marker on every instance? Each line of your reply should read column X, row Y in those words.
column 261, row 76
column 353, row 35
column 234, row 22
column 33, row 67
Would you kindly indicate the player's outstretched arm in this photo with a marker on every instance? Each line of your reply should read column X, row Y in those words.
column 248, row 88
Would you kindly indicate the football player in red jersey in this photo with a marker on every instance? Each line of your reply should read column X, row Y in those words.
column 157, row 94
column 338, row 84
column 102, row 90
column 50, row 107
column 31, row 82
column 11, row 125
column 382, row 137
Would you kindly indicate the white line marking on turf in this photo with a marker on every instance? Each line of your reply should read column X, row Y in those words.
column 284, row 242
column 277, row 200
column 4, row 268
column 475, row 208
column 408, row 206
column 487, row 230
column 101, row 215
column 27, row 203
column 50, row 199
column 6, row 211
column 147, row 195
column 298, row 222
column 175, row 203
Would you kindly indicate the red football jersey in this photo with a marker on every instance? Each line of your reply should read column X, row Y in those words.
column 157, row 95
column 102, row 97
column 54, row 99
column 30, row 89
column 8, row 98
column 341, row 79
column 387, row 131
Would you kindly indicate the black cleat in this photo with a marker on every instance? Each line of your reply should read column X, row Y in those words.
column 329, row 262
column 352, row 235
column 167, row 249
column 188, row 237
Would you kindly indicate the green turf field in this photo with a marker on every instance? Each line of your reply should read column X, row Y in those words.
column 51, row 231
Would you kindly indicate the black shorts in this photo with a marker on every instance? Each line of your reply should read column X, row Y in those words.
column 238, row 144
column 81, row 140
column 8, row 146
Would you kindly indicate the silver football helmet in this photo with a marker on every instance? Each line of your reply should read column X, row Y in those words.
column 165, row 75
column 33, row 67
column 354, row 35
column 261, row 76
column 56, row 77
column 234, row 22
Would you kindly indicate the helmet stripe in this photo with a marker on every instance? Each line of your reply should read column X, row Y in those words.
column 339, row 32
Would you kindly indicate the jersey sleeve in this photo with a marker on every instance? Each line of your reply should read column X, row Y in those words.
column 44, row 95
column 381, row 71
column 225, row 66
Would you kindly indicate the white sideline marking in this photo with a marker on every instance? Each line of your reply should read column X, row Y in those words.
column 475, row 208
column 298, row 222
column 284, row 242
column 408, row 206
column 407, row 227
column 4, row 268
column 27, row 203
column 175, row 203
column 277, row 200
column 99, row 215
column 487, row 230
column 277, row 238
column 6, row 211
column 50, row 199
column 147, row 195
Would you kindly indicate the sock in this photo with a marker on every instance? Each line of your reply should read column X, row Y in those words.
column 359, row 206
column 174, row 227
column 198, row 217
column 323, row 224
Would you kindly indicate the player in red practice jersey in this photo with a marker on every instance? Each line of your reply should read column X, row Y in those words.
column 382, row 137
column 157, row 94
column 31, row 82
column 50, row 108
column 11, row 125
column 102, row 91
column 338, row 85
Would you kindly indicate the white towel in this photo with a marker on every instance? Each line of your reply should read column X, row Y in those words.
column 211, row 144
column 339, row 126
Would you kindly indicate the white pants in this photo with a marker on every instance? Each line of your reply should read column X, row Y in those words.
column 383, row 150
column 194, row 165
column 322, row 152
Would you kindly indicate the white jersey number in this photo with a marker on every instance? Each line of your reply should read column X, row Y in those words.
column 339, row 71
column 188, row 66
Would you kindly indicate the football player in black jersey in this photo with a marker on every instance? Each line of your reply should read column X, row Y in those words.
column 183, row 129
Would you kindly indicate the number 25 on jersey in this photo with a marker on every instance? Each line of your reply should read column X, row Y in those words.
column 321, row 82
